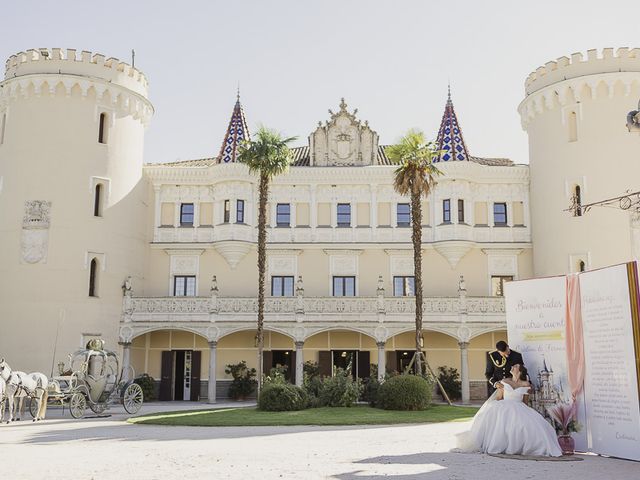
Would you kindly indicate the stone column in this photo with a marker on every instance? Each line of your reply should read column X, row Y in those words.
column 211, row 390
column 490, row 221
column 299, row 364
column 382, row 361
column 464, row 371
column 126, row 360
column 373, row 209
column 176, row 214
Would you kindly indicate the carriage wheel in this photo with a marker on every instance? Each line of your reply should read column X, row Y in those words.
column 98, row 408
column 77, row 405
column 33, row 407
column 132, row 398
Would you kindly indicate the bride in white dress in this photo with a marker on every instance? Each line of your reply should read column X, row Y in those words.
column 506, row 424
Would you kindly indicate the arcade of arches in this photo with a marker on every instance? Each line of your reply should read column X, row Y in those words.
column 180, row 361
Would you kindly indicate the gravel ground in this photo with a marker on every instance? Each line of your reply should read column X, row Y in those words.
column 110, row 448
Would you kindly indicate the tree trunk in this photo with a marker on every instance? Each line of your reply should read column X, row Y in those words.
column 416, row 237
column 262, row 265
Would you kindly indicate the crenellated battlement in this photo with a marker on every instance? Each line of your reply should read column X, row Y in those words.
column 565, row 68
column 71, row 62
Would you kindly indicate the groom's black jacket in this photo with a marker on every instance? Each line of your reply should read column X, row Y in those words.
column 498, row 368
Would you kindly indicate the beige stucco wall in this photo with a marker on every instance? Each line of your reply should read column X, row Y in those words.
column 51, row 152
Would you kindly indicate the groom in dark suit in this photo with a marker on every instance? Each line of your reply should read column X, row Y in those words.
column 499, row 363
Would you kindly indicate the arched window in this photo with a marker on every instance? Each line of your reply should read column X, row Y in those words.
column 577, row 201
column 581, row 266
column 573, row 126
column 93, row 278
column 102, row 129
column 97, row 200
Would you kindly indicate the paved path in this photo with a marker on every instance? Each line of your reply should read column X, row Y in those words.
column 109, row 448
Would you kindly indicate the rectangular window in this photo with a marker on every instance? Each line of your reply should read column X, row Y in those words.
column 497, row 284
column 186, row 214
column 184, row 286
column 500, row 214
column 403, row 215
column 282, row 286
column 404, row 287
column 227, row 211
column 446, row 211
column 460, row 211
column 344, row 214
column 239, row 211
column 283, row 215
column 344, row 286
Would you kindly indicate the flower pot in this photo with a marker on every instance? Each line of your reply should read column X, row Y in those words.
column 567, row 444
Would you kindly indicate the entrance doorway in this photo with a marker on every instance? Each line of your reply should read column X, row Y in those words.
column 357, row 362
column 180, row 375
column 281, row 358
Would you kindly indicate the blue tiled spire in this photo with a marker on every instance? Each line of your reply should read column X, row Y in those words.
column 237, row 132
column 450, row 141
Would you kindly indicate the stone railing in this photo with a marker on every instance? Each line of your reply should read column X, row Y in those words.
column 142, row 306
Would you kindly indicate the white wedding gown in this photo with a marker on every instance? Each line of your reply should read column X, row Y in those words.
column 509, row 426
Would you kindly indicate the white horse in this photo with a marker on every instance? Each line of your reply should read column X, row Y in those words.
column 19, row 384
column 3, row 391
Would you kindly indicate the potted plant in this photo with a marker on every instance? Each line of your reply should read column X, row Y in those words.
column 244, row 380
column 565, row 422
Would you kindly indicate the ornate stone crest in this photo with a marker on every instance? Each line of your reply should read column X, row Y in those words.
column 34, row 243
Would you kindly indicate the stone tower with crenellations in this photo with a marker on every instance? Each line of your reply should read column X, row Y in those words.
column 73, row 200
column 580, row 151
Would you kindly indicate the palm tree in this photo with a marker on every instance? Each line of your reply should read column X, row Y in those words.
column 415, row 176
column 267, row 155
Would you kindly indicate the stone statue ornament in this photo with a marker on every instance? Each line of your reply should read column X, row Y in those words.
column 127, row 288
column 462, row 285
column 299, row 287
column 214, row 285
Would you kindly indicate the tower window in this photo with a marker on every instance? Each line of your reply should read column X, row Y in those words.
column 281, row 286
column 581, row 266
column 446, row 211
column 102, row 129
column 497, row 284
column 239, row 211
column 97, row 200
column 577, row 202
column 460, row 211
column 227, row 211
column 573, row 126
column 93, row 278
column 3, row 123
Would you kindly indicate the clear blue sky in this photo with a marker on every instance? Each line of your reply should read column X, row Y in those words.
column 294, row 59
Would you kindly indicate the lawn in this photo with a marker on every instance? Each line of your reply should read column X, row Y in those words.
column 358, row 415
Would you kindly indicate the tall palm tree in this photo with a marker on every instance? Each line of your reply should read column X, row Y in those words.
column 267, row 156
column 415, row 176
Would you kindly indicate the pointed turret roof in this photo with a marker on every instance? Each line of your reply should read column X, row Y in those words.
column 450, row 141
column 237, row 132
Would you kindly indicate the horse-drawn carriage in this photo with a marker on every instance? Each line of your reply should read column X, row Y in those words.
column 94, row 379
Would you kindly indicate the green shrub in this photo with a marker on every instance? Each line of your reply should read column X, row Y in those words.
column 147, row 384
column 405, row 392
column 341, row 390
column 370, row 390
column 244, row 380
column 450, row 380
column 276, row 375
column 280, row 397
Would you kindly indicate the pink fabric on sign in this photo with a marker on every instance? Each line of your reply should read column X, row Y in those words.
column 575, row 341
